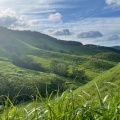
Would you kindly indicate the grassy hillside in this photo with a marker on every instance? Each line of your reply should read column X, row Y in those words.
column 110, row 56
column 12, row 40
column 91, row 101
column 32, row 57
column 39, row 68
column 116, row 47
column 112, row 75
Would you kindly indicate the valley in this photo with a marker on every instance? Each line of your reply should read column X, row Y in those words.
column 32, row 63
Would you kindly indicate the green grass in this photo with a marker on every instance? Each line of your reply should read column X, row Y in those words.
column 66, row 107
column 110, row 56
column 112, row 75
column 19, row 77
column 14, row 80
column 4, row 53
column 98, row 64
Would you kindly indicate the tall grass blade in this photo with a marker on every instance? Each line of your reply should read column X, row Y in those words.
column 99, row 95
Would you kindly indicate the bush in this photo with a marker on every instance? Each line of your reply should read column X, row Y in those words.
column 59, row 68
column 56, row 84
column 25, row 89
column 26, row 62
column 99, row 64
column 109, row 56
column 77, row 74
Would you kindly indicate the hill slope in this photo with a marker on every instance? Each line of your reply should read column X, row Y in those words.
column 30, row 58
column 30, row 62
column 112, row 75
column 12, row 40
column 116, row 47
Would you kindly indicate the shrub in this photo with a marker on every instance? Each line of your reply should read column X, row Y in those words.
column 26, row 62
column 19, row 90
column 77, row 74
column 59, row 68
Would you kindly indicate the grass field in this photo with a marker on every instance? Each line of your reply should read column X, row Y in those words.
column 44, row 78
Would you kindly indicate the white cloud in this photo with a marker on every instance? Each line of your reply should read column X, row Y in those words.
column 90, row 34
column 113, row 37
column 55, row 17
column 109, row 2
column 62, row 32
column 107, row 26
column 34, row 22
column 10, row 18
column 7, row 17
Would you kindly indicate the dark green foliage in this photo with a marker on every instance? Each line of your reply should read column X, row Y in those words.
column 62, row 51
column 59, row 68
column 110, row 56
column 116, row 47
column 17, row 90
column 11, row 49
column 44, row 46
column 26, row 62
column 23, row 90
column 77, row 74
column 102, row 48
column 57, row 84
column 64, row 42
column 98, row 64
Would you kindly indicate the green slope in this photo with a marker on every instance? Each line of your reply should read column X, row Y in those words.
column 110, row 56
column 33, row 57
column 50, row 45
column 31, row 61
column 14, row 45
column 36, row 40
column 4, row 53
column 19, row 81
column 112, row 75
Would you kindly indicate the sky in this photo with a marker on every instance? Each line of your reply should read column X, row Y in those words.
column 88, row 21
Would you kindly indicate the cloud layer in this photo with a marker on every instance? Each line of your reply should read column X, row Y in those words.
column 7, row 17
column 55, row 17
column 62, row 32
column 90, row 34
column 109, row 2
column 113, row 37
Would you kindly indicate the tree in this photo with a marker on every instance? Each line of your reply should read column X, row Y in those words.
column 59, row 68
column 77, row 74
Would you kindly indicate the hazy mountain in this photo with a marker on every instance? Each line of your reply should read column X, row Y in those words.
column 116, row 47
column 28, row 42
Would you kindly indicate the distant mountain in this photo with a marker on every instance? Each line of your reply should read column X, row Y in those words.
column 31, row 42
column 102, row 48
column 116, row 47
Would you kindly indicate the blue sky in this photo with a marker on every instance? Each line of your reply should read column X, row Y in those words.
column 87, row 21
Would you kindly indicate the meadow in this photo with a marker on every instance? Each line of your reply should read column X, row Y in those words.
column 43, row 78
